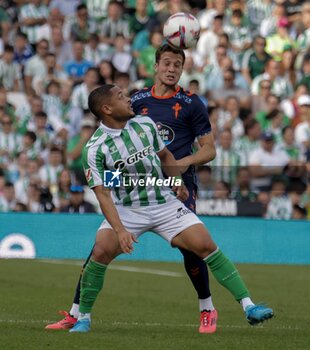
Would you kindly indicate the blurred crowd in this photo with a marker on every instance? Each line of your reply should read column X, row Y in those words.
column 251, row 68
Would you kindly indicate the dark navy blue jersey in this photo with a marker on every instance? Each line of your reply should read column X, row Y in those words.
column 180, row 118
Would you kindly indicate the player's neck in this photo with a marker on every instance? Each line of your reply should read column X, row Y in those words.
column 164, row 90
column 114, row 124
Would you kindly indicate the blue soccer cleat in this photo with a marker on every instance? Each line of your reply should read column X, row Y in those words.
column 256, row 314
column 82, row 326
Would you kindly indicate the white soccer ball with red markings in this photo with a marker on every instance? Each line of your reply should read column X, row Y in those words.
column 182, row 30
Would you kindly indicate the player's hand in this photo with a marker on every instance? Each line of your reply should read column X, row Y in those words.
column 181, row 192
column 126, row 240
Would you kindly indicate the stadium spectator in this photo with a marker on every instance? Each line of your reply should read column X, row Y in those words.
column 75, row 148
column 9, row 141
column 289, row 145
column 280, row 205
column 279, row 85
column 146, row 59
column 278, row 42
column 259, row 102
column 21, row 185
column 10, row 74
column 305, row 80
column 141, row 19
column 33, row 19
column 255, row 59
column 49, row 173
column 288, row 66
column 92, row 50
column 299, row 213
column 106, row 72
column 221, row 190
column 209, row 38
column 4, row 27
column 121, row 57
column 190, row 72
column 7, row 199
column 227, row 161
column 269, row 24
column 302, row 131
column 243, row 191
column 266, row 162
column 78, row 66
column 205, row 182
column 22, row 49
column 229, row 117
column 239, row 35
column 257, row 11
column 230, row 89
column 303, row 40
column 249, row 142
column 115, row 24
column 35, row 67
column 60, row 47
column 80, row 92
column 81, row 27
column 61, row 197
column 293, row 9
column 77, row 203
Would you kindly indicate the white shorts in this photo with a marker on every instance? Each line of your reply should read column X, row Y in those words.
column 167, row 220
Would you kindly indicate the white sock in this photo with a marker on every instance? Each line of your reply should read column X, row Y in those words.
column 84, row 316
column 74, row 310
column 206, row 304
column 245, row 302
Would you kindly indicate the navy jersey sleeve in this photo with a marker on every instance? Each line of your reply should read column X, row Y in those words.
column 199, row 118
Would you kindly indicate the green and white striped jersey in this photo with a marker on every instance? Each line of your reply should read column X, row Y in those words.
column 31, row 11
column 132, row 150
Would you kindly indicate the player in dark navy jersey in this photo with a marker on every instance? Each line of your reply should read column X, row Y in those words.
column 180, row 117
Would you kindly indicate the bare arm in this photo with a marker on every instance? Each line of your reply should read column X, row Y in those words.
column 171, row 169
column 205, row 153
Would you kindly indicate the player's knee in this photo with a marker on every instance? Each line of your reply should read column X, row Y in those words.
column 206, row 248
column 101, row 254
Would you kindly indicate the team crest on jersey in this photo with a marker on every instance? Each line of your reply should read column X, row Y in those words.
column 166, row 133
column 142, row 135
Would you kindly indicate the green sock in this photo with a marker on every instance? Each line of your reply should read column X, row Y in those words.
column 91, row 285
column 227, row 275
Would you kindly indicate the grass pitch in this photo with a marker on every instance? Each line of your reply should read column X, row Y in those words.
column 145, row 309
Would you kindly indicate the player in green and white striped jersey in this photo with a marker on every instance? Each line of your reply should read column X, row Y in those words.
column 132, row 145
column 131, row 151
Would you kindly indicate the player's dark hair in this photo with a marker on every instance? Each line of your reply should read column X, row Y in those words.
column 168, row 48
column 96, row 98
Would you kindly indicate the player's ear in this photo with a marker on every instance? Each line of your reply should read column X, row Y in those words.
column 106, row 109
column 155, row 67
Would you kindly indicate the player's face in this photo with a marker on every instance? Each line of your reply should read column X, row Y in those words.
column 169, row 68
column 120, row 105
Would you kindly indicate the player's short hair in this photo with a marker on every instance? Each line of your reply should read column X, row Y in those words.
column 168, row 48
column 97, row 97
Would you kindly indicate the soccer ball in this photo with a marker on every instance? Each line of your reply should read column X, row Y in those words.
column 182, row 30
